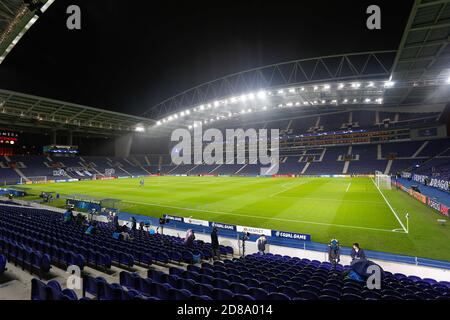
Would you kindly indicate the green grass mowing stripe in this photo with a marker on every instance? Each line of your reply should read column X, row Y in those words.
column 252, row 216
column 320, row 207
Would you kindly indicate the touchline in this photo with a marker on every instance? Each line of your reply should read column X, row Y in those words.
column 210, row 148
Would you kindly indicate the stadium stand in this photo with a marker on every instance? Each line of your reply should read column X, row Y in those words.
column 49, row 240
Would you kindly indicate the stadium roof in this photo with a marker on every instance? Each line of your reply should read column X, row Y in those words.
column 26, row 111
column 423, row 56
column 16, row 17
column 418, row 73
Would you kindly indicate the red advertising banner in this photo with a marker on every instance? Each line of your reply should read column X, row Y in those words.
column 444, row 210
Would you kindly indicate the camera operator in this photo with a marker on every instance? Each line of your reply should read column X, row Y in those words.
column 244, row 237
column 162, row 221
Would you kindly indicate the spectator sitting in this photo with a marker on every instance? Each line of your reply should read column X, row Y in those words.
column 68, row 216
column 91, row 229
column 125, row 235
column 357, row 252
column 190, row 237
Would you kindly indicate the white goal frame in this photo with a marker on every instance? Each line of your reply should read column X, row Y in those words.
column 33, row 180
column 383, row 181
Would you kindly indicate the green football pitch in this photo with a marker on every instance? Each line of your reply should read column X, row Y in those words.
column 349, row 209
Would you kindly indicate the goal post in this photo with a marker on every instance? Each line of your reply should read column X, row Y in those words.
column 33, row 180
column 383, row 181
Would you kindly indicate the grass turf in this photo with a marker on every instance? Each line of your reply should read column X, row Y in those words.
column 349, row 209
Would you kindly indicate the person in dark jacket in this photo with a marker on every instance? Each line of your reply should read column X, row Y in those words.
column 357, row 252
column 133, row 223
column 215, row 244
column 190, row 237
column 116, row 220
column 261, row 244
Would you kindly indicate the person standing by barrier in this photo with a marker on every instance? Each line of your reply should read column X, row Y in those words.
column 334, row 252
column 215, row 244
column 261, row 244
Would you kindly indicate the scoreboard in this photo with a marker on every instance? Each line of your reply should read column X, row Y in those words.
column 8, row 141
column 8, row 137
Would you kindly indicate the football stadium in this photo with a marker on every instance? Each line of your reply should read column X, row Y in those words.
column 320, row 178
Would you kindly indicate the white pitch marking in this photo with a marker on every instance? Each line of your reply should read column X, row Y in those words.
column 390, row 207
column 348, row 187
column 288, row 186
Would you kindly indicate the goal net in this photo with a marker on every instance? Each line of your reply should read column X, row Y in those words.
column 383, row 181
column 29, row 180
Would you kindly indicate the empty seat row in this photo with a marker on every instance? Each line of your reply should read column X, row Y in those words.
column 50, row 291
column 30, row 259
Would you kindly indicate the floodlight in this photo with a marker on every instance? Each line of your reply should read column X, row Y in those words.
column 158, row 123
column 356, row 85
column 139, row 129
column 326, row 87
column 292, row 90
column 341, row 86
column 261, row 94
column 251, row 96
column 389, row 84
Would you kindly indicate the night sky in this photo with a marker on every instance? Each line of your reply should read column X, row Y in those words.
column 130, row 55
